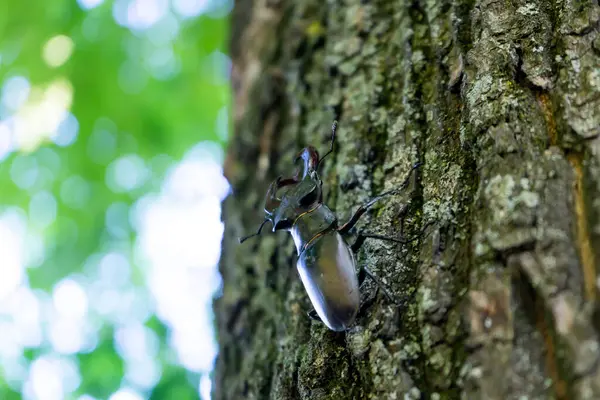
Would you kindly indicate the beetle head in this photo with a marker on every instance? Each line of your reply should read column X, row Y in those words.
column 310, row 157
column 302, row 192
column 298, row 197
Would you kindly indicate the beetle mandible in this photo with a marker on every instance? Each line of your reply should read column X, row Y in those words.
column 326, row 263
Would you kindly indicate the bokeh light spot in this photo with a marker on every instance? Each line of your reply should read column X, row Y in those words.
column 40, row 117
column 144, row 373
column 196, row 178
column 57, row 50
column 42, row 209
column 126, row 394
column 136, row 342
column 69, row 299
column 6, row 142
column 101, row 146
column 190, row 8
column 117, row 220
column 67, row 131
column 205, row 387
column 222, row 124
column 51, row 378
column 126, row 173
column 49, row 159
column 89, row 4
column 66, row 335
column 24, row 171
column 114, row 270
column 75, row 192
column 86, row 397
column 220, row 8
column 45, row 380
column 162, row 63
column 142, row 14
column 17, row 373
column 210, row 151
column 195, row 355
column 15, row 92
column 12, row 232
column 164, row 31
column 36, row 250
column 24, row 308
column 119, row 11
column 218, row 67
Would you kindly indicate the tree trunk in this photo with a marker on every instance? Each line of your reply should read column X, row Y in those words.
column 500, row 102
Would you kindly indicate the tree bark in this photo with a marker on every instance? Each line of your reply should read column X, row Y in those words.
column 500, row 102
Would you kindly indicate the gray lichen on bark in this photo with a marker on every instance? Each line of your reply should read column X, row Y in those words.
column 500, row 102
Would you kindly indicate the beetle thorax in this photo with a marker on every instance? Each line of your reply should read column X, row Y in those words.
column 311, row 224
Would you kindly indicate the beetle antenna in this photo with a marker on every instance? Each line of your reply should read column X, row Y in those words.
column 333, row 130
column 243, row 239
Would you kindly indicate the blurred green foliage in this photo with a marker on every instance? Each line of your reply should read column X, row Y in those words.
column 157, row 91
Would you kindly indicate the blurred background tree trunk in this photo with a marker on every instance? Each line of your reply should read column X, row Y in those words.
column 500, row 101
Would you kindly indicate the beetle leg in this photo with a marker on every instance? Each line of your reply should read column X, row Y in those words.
column 366, row 235
column 360, row 239
column 344, row 229
column 364, row 272
column 361, row 236
column 313, row 315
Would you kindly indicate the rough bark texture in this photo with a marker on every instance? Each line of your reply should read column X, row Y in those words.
column 500, row 101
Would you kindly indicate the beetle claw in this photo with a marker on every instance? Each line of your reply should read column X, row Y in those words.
column 272, row 201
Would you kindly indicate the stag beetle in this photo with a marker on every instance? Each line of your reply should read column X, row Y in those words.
column 326, row 262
